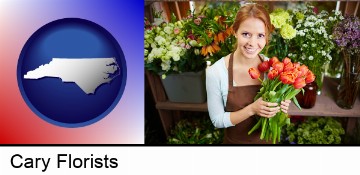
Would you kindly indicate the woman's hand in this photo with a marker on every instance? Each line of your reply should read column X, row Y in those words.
column 285, row 105
column 266, row 109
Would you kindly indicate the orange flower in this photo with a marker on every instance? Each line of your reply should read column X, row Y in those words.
column 229, row 31
column 296, row 65
column 221, row 37
column 216, row 47
column 287, row 77
column 273, row 60
column 210, row 49
column 254, row 73
column 310, row 77
column 297, row 72
column 286, row 60
column 303, row 69
column 272, row 74
column 264, row 66
column 279, row 66
column 288, row 67
column 299, row 83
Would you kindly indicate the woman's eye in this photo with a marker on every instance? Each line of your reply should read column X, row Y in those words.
column 261, row 36
column 246, row 35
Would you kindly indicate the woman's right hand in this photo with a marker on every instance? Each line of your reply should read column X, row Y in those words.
column 264, row 109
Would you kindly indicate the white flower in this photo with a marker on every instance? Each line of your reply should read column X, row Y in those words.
column 165, row 65
column 323, row 53
column 208, row 135
column 157, row 21
column 337, row 12
column 168, row 30
column 196, row 51
column 150, row 58
column 193, row 43
column 311, row 57
column 153, row 45
column 329, row 57
column 325, row 35
column 160, row 40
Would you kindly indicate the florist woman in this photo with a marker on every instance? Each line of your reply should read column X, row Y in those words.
column 230, row 89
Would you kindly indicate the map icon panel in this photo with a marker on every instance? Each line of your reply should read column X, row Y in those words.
column 71, row 72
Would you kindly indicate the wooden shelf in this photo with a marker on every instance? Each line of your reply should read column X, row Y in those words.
column 325, row 104
column 182, row 106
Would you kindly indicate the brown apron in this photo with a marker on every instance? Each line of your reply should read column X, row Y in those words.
column 238, row 98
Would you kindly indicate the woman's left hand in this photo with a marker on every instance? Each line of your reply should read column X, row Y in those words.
column 285, row 106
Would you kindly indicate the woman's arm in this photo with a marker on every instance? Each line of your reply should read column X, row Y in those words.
column 216, row 106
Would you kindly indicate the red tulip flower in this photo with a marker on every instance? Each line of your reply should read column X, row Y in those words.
column 288, row 67
column 296, row 65
column 299, row 83
column 286, row 60
column 279, row 66
column 287, row 77
column 310, row 77
column 273, row 60
column 264, row 66
column 272, row 74
column 303, row 69
column 254, row 73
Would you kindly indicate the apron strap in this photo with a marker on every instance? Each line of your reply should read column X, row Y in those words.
column 230, row 72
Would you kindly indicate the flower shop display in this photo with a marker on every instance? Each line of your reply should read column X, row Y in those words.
column 313, row 41
column 304, row 36
column 283, row 82
column 212, row 30
column 315, row 130
column 347, row 37
column 164, row 47
column 179, row 50
column 195, row 131
column 186, row 45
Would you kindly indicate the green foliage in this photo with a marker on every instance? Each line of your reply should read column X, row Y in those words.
column 185, row 45
column 196, row 131
column 315, row 130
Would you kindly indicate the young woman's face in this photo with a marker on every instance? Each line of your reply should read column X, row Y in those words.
column 251, row 37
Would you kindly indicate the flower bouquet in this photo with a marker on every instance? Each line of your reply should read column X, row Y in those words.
column 211, row 28
column 347, row 37
column 164, row 46
column 283, row 82
column 283, row 33
column 313, row 43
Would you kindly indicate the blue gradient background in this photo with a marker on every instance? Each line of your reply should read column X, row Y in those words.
column 20, row 19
